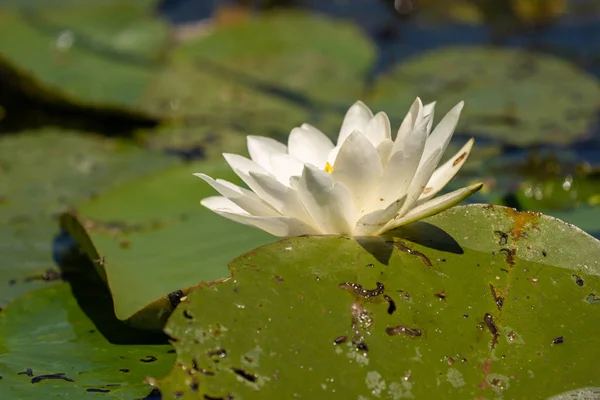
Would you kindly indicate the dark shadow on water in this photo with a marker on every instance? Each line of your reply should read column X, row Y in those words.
column 94, row 298
column 153, row 395
column 421, row 233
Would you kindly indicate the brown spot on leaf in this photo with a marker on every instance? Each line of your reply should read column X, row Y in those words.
column 403, row 330
column 402, row 247
column 497, row 297
column 510, row 255
column 488, row 320
column 358, row 289
column 245, row 375
column 558, row 340
column 522, row 221
column 391, row 304
column 503, row 237
column 340, row 339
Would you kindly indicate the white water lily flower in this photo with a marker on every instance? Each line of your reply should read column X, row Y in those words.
column 365, row 185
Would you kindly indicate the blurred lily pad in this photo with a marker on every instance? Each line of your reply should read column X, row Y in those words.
column 101, row 53
column 43, row 173
column 476, row 302
column 513, row 96
column 574, row 199
column 262, row 76
column 51, row 348
column 154, row 241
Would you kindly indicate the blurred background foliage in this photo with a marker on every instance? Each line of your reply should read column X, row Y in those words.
column 96, row 94
column 190, row 79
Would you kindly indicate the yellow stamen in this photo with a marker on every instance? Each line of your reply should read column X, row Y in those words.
column 328, row 167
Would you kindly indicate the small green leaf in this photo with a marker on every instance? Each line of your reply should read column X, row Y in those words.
column 49, row 347
column 153, row 238
column 476, row 302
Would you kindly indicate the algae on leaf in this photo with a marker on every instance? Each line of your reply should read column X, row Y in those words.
column 154, row 241
column 477, row 301
column 513, row 96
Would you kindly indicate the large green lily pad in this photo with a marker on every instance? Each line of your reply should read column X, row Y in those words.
column 512, row 95
column 263, row 77
column 102, row 53
column 476, row 302
column 43, row 173
column 50, row 348
column 154, row 241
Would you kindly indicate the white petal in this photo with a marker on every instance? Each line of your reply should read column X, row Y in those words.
column 385, row 149
column 441, row 135
column 429, row 109
column 445, row 173
column 402, row 165
column 408, row 123
column 284, row 199
column 356, row 119
column 333, row 155
column 242, row 166
column 433, row 207
column 266, row 186
column 372, row 222
column 222, row 204
column 244, row 198
column 284, row 166
column 424, row 172
column 262, row 148
column 358, row 167
column 278, row 226
column 309, row 145
column 329, row 204
column 378, row 129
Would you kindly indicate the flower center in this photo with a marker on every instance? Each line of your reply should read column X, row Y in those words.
column 328, row 167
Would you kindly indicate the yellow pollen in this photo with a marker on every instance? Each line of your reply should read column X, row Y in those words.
column 328, row 167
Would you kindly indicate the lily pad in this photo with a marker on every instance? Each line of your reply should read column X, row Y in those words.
column 41, row 174
column 51, row 348
column 574, row 199
column 101, row 53
column 154, row 241
column 263, row 76
column 513, row 96
column 476, row 302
